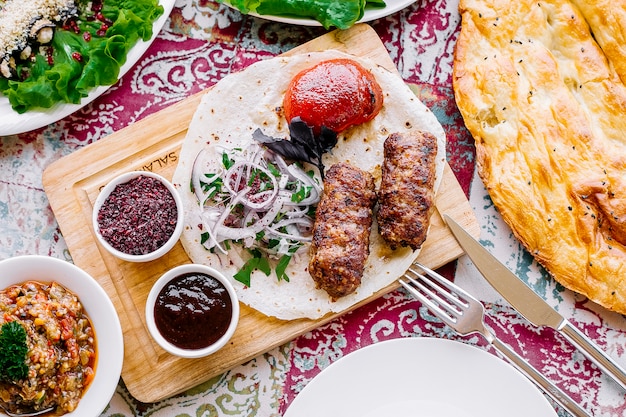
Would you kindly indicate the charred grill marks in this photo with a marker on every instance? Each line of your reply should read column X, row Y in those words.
column 406, row 196
column 343, row 221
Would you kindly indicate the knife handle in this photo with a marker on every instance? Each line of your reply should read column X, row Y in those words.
column 534, row 375
column 593, row 352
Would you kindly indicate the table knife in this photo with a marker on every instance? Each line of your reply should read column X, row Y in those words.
column 532, row 307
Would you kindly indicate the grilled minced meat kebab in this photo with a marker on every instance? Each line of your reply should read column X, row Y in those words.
column 341, row 232
column 406, row 197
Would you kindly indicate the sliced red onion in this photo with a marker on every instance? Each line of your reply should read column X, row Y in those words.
column 265, row 210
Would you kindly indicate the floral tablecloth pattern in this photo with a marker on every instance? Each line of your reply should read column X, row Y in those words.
column 202, row 42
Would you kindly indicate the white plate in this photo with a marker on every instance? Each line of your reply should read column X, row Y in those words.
column 424, row 377
column 101, row 312
column 12, row 123
column 391, row 7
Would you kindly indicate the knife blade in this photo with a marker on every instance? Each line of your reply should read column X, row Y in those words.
column 530, row 305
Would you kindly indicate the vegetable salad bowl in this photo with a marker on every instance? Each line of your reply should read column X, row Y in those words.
column 104, row 320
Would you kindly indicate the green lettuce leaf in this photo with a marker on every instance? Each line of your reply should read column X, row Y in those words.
column 104, row 64
column 330, row 13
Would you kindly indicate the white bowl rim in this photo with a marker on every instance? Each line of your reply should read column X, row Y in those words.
column 101, row 312
column 104, row 194
column 166, row 278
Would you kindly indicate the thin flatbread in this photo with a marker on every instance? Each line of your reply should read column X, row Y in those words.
column 228, row 115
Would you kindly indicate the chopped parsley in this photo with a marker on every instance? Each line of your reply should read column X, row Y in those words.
column 258, row 261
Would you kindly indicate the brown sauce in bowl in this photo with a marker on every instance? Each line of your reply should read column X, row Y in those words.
column 193, row 311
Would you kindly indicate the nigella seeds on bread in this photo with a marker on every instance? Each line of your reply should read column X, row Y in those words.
column 540, row 85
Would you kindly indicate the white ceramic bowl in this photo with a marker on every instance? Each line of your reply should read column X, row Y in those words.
column 99, row 308
column 162, row 282
column 104, row 194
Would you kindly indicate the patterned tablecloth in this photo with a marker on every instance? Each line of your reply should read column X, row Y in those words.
column 201, row 43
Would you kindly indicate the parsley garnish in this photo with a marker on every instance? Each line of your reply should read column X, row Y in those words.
column 301, row 194
column 258, row 261
column 275, row 171
column 214, row 185
column 281, row 267
column 13, row 350
column 227, row 161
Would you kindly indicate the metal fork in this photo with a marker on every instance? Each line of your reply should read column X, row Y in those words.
column 465, row 315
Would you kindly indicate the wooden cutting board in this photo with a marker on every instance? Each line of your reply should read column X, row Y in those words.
column 152, row 144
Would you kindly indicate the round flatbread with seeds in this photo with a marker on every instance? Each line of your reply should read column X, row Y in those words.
column 540, row 85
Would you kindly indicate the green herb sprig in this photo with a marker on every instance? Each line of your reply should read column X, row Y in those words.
column 258, row 261
column 13, row 350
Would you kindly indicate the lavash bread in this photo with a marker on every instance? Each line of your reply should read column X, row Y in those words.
column 251, row 99
column 546, row 104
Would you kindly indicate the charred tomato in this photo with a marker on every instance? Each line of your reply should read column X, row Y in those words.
column 336, row 93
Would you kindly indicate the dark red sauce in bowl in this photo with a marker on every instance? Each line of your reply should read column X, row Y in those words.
column 192, row 311
column 139, row 216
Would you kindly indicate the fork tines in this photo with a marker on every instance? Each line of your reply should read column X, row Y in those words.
column 464, row 314
column 436, row 292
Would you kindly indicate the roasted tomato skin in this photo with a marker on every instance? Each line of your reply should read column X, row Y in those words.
column 336, row 93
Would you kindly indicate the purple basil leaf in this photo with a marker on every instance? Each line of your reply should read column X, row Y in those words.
column 283, row 147
column 303, row 145
column 327, row 139
column 302, row 135
column 261, row 137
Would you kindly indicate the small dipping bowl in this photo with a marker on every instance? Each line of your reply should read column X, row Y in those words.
column 153, row 229
column 192, row 311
